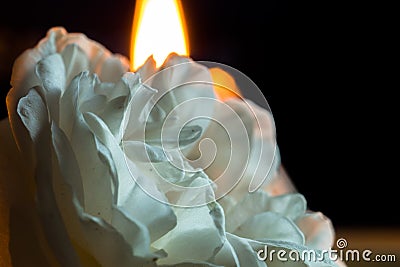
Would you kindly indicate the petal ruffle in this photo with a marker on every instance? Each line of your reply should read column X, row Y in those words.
column 92, row 234
column 270, row 226
column 291, row 206
column 317, row 229
column 129, row 196
column 195, row 237
column 247, row 156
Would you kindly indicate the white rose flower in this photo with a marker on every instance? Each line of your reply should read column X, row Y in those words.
column 85, row 182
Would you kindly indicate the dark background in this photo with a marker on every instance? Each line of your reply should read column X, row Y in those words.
column 315, row 63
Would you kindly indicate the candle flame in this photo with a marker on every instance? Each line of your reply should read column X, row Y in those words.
column 158, row 29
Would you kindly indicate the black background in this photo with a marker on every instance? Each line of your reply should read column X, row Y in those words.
column 315, row 63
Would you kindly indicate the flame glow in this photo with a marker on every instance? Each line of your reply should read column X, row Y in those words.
column 158, row 30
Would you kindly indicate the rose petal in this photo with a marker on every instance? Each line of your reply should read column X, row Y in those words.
column 96, row 104
column 157, row 216
column 317, row 229
column 226, row 256
column 117, row 109
column 32, row 109
column 279, row 184
column 113, row 115
column 89, row 233
column 109, row 67
column 23, row 79
column 138, row 113
column 196, row 193
column 225, row 165
column 81, row 54
column 258, row 157
column 33, row 113
column 152, row 165
column 245, row 253
column 147, row 69
column 51, row 72
column 112, row 69
column 271, row 226
column 97, row 183
column 92, row 49
column 75, row 61
column 182, row 80
column 134, row 232
column 264, row 156
column 291, row 206
column 100, row 235
column 195, row 237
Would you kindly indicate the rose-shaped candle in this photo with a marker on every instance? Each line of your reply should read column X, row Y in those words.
column 112, row 175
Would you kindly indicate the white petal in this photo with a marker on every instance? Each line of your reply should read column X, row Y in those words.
column 23, row 75
column 99, row 57
column 227, row 256
column 75, row 61
column 112, row 69
column 158, row 217
column 194, row 238
column 196, row 193
column 124, row 87
column 182, row 84
column 115, row 112
column 96, row 104
column 291, row 206
column 97, row 182
column 23, row 79
column 147, row 69
column 317, row 229
column 113, row 115
column 225, row 165
column 136, row 119
column 245, row 253
column 51, row 72
column 133, row 231
column 155, row 215
column 279, row 184
column 151, row 165
column 49, row 214
column 99, row 236
column 264, row 155
column 33, row 113
column 246, row 158
column 91, row 234
column 270, row 226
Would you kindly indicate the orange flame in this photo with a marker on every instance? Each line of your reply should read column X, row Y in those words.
column 158, row 29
